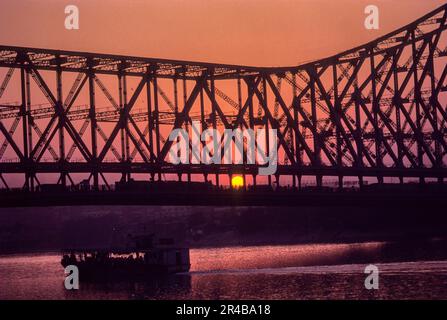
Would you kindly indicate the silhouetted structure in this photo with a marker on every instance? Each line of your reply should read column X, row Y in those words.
column 377, row 110
column 143, row 259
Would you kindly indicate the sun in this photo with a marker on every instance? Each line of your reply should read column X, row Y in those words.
column 237, row 182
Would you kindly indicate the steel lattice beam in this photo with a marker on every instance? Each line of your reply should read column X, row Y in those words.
column 377, row 110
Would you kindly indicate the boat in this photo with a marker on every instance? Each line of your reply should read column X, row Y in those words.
column 143, row 260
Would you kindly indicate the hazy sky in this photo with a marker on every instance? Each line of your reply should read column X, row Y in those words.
column 250, row 32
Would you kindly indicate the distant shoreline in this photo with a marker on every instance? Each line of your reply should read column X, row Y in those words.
column 36, row 230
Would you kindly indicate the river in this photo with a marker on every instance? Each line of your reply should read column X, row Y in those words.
column 257, row 272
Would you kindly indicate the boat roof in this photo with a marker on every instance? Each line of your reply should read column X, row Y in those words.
column 120, row 250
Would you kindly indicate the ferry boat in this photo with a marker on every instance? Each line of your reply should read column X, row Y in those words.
column 141, row 261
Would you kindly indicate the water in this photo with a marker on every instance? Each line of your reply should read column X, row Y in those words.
column 263, row 272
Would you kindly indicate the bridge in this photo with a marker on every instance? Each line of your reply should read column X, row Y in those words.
column 372, row 112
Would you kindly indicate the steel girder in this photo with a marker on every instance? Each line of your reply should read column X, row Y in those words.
column 378, row 110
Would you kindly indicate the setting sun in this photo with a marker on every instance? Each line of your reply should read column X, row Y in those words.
column 237, row 182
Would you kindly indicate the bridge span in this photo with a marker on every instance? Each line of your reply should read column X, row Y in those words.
column 371, row 112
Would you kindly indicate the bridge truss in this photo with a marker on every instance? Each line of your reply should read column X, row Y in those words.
column 378, row 110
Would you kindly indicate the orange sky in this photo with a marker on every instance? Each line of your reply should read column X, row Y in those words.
column 250, row 32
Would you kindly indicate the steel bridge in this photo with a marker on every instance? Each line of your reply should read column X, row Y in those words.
column 378, row 110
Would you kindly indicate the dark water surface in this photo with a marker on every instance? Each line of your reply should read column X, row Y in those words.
column 261, row 272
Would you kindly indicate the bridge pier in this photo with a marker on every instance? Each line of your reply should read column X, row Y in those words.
column 95, row 181
column 340, row 182
column 277, row 176
column 32, row 186
column 319, row 179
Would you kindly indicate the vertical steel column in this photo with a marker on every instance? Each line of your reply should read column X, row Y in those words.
column 250, row 117
column 60, row 110
column 157, row 124
column 434, row 112
column 267, row 135
column 176, row 113
column 24, row 113
column 203, row 123
column 150, row 121
column 2, row 179
column 296, row 127
column 93, row 126
column 358, row 130
column 375, row 107
column 175, row 96
column 213, row 111
column 123, row 146
column 337, row 113
column 290, row 139
column 239, row 101
column 396, row 102
column 29, row 125
column 317, row 146
column 126, row 127
column 186, row 120
column 417, row 95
